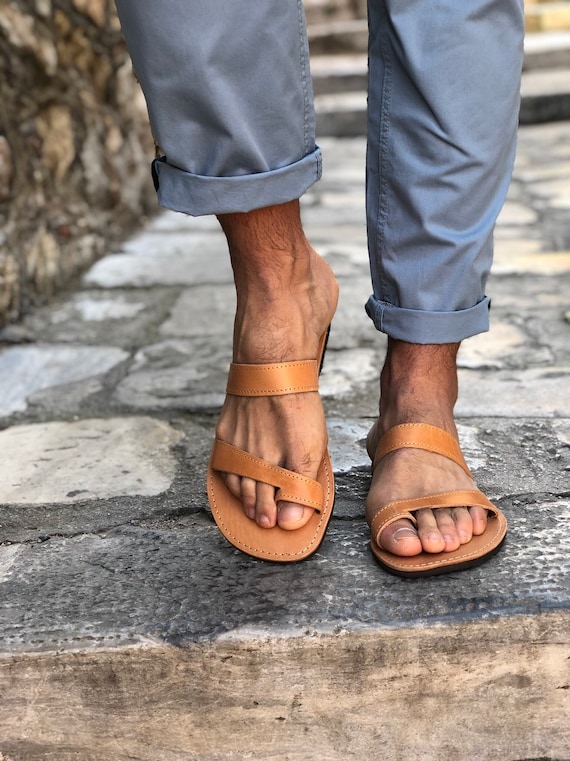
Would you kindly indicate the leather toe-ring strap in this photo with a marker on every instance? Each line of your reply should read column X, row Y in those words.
column 291, row 487
column 402, row 508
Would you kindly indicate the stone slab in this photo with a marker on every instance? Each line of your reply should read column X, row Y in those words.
column 183, row 583
column 171, row 259
column 205, row 310
column 339, row 73
column 181, row 470
column 86, row 460
column 338, row 36
column 511, row 459
column 25, row 370
column 409, row 693
column 172, row 221
column 177, row 373
column 514, row 257
column 547, row 50
column 504, row 345
column 514, row 294
column 124, row 318
column 532, row 392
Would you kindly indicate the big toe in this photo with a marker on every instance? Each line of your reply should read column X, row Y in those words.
column 401, row 538
column 291, row 516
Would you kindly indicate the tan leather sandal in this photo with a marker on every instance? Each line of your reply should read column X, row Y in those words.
column 433, row 439
column 275, row 543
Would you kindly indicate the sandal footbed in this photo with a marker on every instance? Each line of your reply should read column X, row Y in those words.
column 476, row 551
column 275, row 544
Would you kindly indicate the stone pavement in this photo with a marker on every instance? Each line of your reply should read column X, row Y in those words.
column 131, row 630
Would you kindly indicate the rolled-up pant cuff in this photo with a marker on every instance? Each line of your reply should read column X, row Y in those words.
column 198, row 195
column 423, row 327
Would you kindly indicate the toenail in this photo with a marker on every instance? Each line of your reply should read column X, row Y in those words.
column 251, row 513
column 264, row 521
column 409, row 532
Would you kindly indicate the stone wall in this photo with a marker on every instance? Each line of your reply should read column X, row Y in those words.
column 74, row 145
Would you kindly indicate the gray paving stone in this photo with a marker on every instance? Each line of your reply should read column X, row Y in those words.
column 505, row 345
column 186, row 584
column 172, row 259
column 347, row 371
column 177, row 374
column 86, row 460
column 351, row 327
column 35, row 522
column 512, row 259
column 547, row 50
column 516, row 214
column 173, row 221
column 202, row 311
column 513, row 295
column 72, row 399
column 533, row 392
column 26, row 370
column 115, row 317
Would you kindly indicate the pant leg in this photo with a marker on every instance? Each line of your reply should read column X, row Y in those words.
column 443, row 116
column 229, row 96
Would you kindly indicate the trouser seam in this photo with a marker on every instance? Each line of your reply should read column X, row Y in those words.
column 303, row 65
column 383, row 143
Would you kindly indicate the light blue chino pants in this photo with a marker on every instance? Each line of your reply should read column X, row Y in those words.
column 229, row 96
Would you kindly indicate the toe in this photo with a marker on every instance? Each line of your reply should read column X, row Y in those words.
column 463, row 524
column 265, row 507
column 248, row 496
column 401, row 538
column 429, row 533
column 447, row 529
column 479, row 518
column 291, row 516
column 233, row 483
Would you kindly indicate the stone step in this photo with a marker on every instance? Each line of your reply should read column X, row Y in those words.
column 545, row 96
column 549, row 50
column 341, row 72
column 349, row 35
column 324, row 11
column 131, row 629
column 547, row 17
column 154, row 639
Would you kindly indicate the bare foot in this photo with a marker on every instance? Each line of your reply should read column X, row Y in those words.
column 419, row 385
column 286, row 297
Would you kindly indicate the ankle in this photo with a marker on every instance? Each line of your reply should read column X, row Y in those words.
column 418, row 384
column 271, row 257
